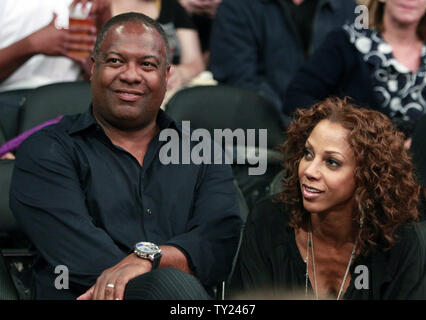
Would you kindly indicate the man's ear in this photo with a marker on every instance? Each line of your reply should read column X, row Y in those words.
column 92, row 68
column 168, row 68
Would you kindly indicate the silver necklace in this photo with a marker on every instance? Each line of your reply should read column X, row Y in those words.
column 310, row 244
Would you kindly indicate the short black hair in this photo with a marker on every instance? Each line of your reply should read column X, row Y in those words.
column 130, row 17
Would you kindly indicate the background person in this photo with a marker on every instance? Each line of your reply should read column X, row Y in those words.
column 382, row 67
column 261, row 44
column 34, row 49
column 202, row 13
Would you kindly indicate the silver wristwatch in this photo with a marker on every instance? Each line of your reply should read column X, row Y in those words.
column 149, row 251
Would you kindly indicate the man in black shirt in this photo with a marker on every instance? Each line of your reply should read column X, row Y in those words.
column 88, row 189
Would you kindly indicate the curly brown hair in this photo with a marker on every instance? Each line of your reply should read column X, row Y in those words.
column 386, row 192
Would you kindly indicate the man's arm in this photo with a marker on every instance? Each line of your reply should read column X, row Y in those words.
column 129, row 268
column 214, row 228
column 48, row 202
column 206, row 250
column 47, row 40
column 55, row 42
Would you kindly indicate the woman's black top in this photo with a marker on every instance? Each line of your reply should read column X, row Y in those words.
column 269, row 263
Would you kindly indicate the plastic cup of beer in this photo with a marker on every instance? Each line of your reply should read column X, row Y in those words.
column 79, row 17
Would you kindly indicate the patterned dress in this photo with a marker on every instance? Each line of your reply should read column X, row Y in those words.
column 399, row 92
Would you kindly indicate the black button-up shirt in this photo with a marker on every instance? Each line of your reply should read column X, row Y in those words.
column 84, row 203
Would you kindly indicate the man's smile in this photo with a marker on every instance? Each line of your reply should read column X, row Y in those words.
column 128, row 95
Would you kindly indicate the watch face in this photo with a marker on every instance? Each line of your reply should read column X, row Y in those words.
column 147, row 248
column 150, row 251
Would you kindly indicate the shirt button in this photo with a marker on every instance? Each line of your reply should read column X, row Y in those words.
column 149, row 211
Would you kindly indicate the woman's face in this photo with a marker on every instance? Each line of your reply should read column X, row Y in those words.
column 326, row 171
column 405, row 11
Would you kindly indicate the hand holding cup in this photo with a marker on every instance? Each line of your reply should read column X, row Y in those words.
column 82, row 33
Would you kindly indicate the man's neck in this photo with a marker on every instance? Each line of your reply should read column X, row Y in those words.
column 134, row 137
column 135, row 142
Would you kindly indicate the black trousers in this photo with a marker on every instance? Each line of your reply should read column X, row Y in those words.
column 165, row 284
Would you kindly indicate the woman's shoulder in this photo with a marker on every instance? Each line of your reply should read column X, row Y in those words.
column 410, row 246
column 412, row 234
column 270, row 219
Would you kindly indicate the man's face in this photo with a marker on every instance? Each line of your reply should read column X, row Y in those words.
column 129, row 77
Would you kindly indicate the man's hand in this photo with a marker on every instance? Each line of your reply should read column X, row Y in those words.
column 112, row 282
column 100, row 10
column 51, row 41
column 80, row 43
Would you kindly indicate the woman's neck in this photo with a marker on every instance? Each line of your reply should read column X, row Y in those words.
column 399, row 34
column 405, row 44
column 334, row 228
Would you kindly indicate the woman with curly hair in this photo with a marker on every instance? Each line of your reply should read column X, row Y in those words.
column 345, row 225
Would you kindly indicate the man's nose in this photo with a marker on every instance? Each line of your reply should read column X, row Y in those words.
column 131, row 74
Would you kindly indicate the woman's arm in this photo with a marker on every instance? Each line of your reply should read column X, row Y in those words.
column 191, row 62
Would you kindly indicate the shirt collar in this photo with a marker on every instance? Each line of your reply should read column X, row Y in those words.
column 87, row 120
